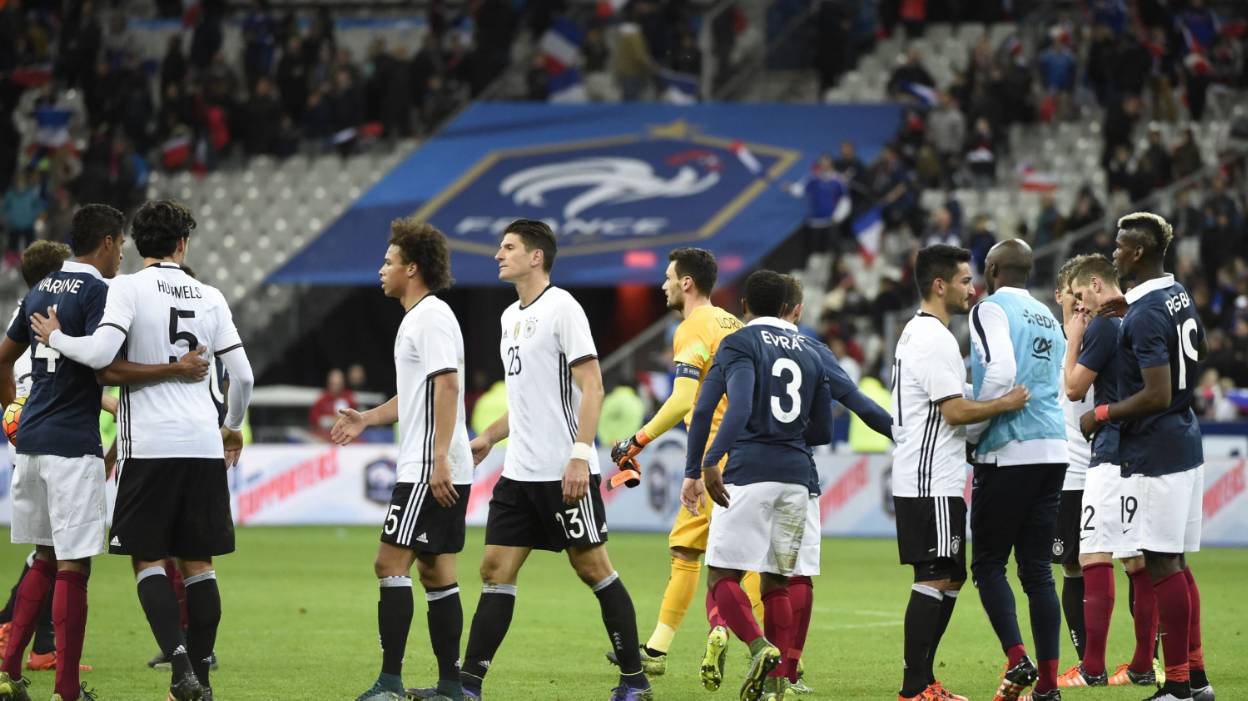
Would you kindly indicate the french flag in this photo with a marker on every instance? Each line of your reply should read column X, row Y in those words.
column 176, row 152
column 560, row 55
column 869, row 230
column 747, row 158
column 925, row 94
column 1031, row 179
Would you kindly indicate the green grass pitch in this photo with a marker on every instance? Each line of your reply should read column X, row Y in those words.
column 300, row 623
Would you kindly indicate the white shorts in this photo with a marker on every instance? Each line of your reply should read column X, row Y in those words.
column 1171, row 510
column 59, row 502
column 1111, row 512
column 768, row 527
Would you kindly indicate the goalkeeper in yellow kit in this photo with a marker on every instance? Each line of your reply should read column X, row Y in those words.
column 690, row 278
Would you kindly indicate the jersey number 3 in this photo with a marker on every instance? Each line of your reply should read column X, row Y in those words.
column 782, row 367
column 175, row 335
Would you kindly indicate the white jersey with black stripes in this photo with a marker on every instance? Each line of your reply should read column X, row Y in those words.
column 164, row 313
column 541, row 342
column 429, row 344
column 929, row 459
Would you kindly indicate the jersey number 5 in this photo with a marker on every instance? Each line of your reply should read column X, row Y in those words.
column 175, row 335
column 781, row 367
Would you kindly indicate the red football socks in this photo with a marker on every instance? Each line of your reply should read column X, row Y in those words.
column 801, row 594
column 1196, row 652
column 713, row 618
column 734, row 609
column 1145, row 613
column 1048, row 675
column 1098, row 607
column 69, row 620
column 31, row 592
column 778, row 622
column 1015, row 654
column 1175, row 608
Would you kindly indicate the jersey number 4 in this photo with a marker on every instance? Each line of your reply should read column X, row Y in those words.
column 49, row 354
column 176, row 335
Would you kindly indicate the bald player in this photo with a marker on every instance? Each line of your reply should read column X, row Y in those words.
column 1020, row 462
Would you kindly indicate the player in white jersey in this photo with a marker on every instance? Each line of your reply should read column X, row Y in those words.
column 172, row 495
column 425, row 522
column 1066, row 535
column 548, row 496
column 929, row 461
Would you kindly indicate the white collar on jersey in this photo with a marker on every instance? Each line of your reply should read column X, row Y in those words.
column 70, row 266
column 1015, row 291
column 1158, row 283
column 773, row 321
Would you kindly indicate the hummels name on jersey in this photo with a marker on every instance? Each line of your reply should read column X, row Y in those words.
column 180, row 291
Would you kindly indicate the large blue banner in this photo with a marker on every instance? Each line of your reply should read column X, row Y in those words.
column 620, row 185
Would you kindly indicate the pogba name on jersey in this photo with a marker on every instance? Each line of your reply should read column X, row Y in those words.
column 180, row 291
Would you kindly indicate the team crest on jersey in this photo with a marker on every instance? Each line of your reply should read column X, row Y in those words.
column 380, row 476
column 670, row 183
column 956, row 544
column 1059, row 548
column 530, row 327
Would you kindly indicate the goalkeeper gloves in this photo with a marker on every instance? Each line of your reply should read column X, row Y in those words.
column 624, row 455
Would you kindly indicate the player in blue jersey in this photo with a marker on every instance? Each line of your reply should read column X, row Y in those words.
column 58, row 479
column 1160, row 345
column 777, row 389
column 844, row 391
column 1110, row 502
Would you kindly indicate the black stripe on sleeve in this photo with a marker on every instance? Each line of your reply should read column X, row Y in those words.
column 942, row 400
column 582, row 359
column 443, row 371
column 223, row 351
column 983, row 338
column 109, row 323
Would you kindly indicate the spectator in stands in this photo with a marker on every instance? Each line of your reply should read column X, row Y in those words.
column 946, row 130
column 909, row 71
column 262, row 117
column 599, row 82
column 1120, row 118
column 623, row 413
column 346, row 110
column 324, row 411
column 981, row 239
column 981, row 159
column 1210, row 401
column 1154, row 168
column 258, row 42
column 22, row 207
column 941, row 230
column 1086, row 210
column 1220, row 202
column 391, row 82
column 833, row 46
column 828, row 204
column 208, row 35
column 357, row 378
column 81, row 38
column 852, row 169
column 118, row 40
column 894, row 187
column 1058, row 67
column 292, row 79
column 174, row 66
column 1049, row 222
column 634, row 67
column 1186, row 159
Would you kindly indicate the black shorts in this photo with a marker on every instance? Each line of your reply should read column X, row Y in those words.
column 172, row 507
column 533, row 515
column 1066, row 535
column 933, row 530
column 416, row 521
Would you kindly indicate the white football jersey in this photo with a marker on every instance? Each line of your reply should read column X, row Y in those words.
column 1080, row 450
column 428, row 344
column 164, row 313
column 540, row 344
column 929, row 459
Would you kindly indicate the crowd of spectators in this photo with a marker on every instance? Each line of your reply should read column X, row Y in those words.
column 92, row 114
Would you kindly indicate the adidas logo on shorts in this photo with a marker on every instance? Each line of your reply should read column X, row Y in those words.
column 422, row 538
column 115, row 542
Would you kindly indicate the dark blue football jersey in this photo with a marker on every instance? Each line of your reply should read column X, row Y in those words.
column 1161, row 327
column 780, row 378
column 62, row 413
column 1099, row 354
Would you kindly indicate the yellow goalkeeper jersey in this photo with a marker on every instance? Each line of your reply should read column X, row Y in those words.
column 694, row 346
